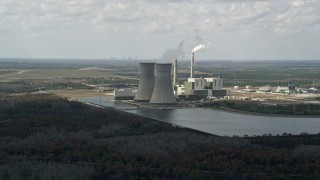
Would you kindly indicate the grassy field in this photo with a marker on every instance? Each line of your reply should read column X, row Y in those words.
column 30, row 79
column 23, row 75
column 57, row 73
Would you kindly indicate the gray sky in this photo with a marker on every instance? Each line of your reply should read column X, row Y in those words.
column 236, row 29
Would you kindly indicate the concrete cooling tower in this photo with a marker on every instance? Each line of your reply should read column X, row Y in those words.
column 163, row 92
column 146, row 82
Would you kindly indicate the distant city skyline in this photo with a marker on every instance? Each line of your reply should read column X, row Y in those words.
column 149, row 29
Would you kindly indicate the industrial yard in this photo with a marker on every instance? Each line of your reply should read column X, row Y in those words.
column 156, row 87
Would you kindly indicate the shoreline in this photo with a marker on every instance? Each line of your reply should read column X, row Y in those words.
column 224, row 131
column 237, row 111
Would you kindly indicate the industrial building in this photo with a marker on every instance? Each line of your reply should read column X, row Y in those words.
column 265, row 89
column 207, row 87
column 212, row 87
column 214, row 83
column 291, row 88
column 125, row 94
column 282, row 89
column 146, row 82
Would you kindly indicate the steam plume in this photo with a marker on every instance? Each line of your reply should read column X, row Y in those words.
column 198, row 48
column 171, row 54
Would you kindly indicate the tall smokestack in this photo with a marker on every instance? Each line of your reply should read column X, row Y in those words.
column 175, row 71
column 146, row 82
column 163, row 92
column 192, row 65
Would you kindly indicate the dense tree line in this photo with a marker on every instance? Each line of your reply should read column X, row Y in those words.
column 259, row 107
column 32, row 86
column 47, row 137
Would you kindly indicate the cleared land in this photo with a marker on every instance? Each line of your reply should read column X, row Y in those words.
column 58, row 73
column 276, row 97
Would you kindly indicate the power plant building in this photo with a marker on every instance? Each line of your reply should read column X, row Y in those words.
column 214, row 83
column 146, row 82
column 205, row 87
column 163, row 91
column 196, row 83
column 124, row 94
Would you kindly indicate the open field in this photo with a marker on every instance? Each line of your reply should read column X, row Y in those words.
column 43, row 74
column 53, row 76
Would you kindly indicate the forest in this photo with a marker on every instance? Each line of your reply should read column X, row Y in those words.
column 263, row 108
column 49, row 137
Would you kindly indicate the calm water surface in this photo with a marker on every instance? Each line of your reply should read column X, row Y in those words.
column 221, row 122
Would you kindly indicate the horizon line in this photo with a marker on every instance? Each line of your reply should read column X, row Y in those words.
column 146, row 59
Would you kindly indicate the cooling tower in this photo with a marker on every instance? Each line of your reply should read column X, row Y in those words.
column 146, row 82
column 163, row 92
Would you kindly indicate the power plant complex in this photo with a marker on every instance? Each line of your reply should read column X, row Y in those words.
column 156, row 87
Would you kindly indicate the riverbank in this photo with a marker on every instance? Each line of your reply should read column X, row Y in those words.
column 237, row 111
column 266, row 109
column 221, row 122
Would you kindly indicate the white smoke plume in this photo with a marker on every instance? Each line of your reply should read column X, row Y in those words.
column 198, row 48
column 171, row 54
column 201, row 46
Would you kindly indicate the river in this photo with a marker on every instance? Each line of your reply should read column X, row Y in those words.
column 221, row 122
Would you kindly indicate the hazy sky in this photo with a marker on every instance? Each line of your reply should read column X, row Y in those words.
column 236, row 29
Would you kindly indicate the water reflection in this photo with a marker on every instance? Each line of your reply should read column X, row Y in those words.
column 164, row 114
